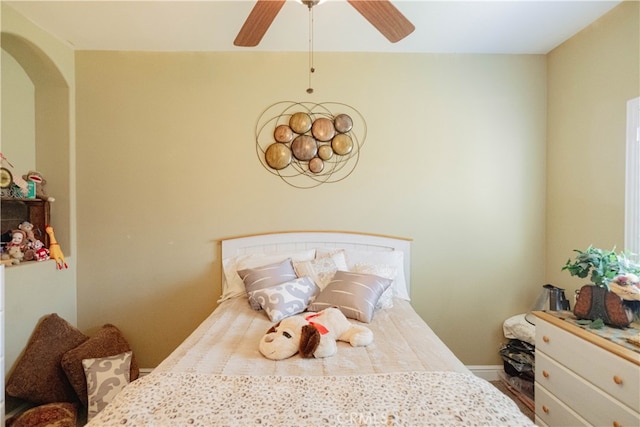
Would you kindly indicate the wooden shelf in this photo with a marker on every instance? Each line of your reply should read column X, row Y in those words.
column 15, row 211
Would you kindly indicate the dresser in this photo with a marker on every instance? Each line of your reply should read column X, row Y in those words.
column 582, row 378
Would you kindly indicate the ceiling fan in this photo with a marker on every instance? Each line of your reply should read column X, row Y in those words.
column 380, row 13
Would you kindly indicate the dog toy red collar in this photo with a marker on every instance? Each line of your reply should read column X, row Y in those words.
column 318, row 326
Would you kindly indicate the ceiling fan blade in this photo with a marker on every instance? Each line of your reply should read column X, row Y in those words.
column 385, row 17
column 258, row 22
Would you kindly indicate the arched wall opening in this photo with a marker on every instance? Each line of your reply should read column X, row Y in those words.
column 52, row 131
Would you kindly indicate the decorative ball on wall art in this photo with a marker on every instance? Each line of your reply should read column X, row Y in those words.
column 308, row 144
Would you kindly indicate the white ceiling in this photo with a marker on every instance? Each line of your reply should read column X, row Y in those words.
column 450, row 26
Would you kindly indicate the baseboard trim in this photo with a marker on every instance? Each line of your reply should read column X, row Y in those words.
column 145, row 371
column 487, row 372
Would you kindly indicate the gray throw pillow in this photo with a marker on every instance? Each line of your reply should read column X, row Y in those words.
column 106, row 377
column 266, row 276
column 286, row 299
column 355, row 294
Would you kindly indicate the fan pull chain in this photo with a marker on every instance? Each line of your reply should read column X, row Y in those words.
column 311, row 67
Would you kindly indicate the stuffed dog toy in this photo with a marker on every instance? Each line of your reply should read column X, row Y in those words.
column 312, row 335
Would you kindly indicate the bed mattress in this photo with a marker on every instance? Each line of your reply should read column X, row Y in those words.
column 217, row 376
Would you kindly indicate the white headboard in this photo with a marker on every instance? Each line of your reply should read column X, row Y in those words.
column 299, row 240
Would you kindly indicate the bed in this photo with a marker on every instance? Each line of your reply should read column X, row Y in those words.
column 406, row 376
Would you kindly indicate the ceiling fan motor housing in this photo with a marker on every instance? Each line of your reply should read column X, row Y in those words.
column 310, row 3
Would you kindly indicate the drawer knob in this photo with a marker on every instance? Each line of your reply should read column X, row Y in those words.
column 617, row 380
column 545, row 338
column 545, row 374
column 545, row 409
column 616, row 424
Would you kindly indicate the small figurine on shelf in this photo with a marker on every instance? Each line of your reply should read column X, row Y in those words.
column 54, row 249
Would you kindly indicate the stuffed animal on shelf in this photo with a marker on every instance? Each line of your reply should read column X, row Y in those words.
column 312, row 335
column 15, row 254
column 14, row 250
column 54, row 249
column 19, row 239
column 29, row 250
column 40, row 182
column 40, row 252
column 27, row 227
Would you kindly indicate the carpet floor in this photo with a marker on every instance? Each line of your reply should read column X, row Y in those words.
column 525, row 407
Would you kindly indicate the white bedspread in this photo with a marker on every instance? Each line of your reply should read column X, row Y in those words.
column 226, row 343
column 217, row 377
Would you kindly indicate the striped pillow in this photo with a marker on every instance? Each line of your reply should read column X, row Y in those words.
column 355, row 294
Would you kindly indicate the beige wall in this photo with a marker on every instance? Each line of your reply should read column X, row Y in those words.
column 454, row 158
column 35, row 289
column 18, row 115
column 591, row 78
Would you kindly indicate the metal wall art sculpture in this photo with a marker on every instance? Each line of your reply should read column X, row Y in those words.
column 308, row 144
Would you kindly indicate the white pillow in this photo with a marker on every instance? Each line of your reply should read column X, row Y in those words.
column 232, row 284
column 106, row 377
column 386, row 271
column 322, row 269
column 389, row 258
column 285, row 299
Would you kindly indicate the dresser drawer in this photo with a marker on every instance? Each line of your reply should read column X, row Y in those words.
column 552, row 412
column 584, row 398
column 618, row 377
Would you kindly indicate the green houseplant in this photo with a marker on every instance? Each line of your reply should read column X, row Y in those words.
column 606, row 269
column 602, row 265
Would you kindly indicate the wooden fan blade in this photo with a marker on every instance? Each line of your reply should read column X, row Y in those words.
column 385, row 17
column 258, row 22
